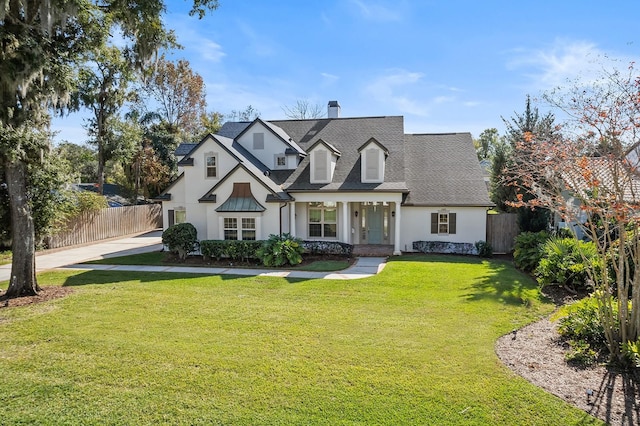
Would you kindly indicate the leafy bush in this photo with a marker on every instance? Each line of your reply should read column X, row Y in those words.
column 631, row 351
column 484, row 249
column 567, row 262
column 232, row 249
column 328, row 247
column 583, row 330
column 181, row 239
column 279, row 250
column 527, row 253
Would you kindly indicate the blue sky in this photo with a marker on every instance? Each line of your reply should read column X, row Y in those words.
column 446, row 66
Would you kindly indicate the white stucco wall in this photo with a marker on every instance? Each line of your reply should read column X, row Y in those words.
column 471, row 225
column 272, row 145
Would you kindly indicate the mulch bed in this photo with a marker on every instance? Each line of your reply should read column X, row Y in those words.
column 47, row 293
column 537, row 353
column 252, row 263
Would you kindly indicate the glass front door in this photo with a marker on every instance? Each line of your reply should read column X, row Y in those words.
column 375, row 223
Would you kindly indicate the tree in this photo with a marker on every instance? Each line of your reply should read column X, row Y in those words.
column 210, row 123
column 533, row 127
column 248, row 114
column 595, row 188
column 82, row 158
column 487, row 143
column 303, row 109
column 104, row 88
column 179, row 94
column 41, row 43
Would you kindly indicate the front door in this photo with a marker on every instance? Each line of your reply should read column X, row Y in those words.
column 374, row 224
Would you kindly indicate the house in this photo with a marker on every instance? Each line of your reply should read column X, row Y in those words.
column 358, row 180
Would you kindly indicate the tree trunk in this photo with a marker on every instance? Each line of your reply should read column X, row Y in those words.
column 23, row 267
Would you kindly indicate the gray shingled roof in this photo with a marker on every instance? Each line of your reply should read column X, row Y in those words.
column 443, row 170
column 184, row 149
column 347, row 135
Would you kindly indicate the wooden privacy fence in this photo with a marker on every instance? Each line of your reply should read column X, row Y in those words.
column 107, row 223
column 502, row 229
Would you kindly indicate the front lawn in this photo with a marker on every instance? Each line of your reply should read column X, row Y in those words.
column 5, row 257
column 412, row 345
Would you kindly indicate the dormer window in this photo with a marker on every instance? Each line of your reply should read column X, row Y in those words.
column 281, row 161
column 372, row 160
column 324, row 158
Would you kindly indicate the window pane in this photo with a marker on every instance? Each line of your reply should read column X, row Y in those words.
column 315, row 230
column 180, row 216
column 330, row 215
column 230, row 222
column 330, row 204
column 248, row 235
column 330, row 230
column 444, row 218
column 315, row 204
column 281, row 160
column 230, row 234
column 211, row 161
column 211, row 172
column 248, row 223
column 315, row 215
column 443, row 228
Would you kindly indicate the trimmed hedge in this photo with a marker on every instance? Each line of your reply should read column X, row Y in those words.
column 328, row 247
column 445, row 247
column 230, row 249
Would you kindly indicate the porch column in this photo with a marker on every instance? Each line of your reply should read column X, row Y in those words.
column 345, row 222
column 396, row 239
column 292, row 218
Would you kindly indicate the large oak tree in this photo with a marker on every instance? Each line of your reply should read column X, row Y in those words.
column 42, row 43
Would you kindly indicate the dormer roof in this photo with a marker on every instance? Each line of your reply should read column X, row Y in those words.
column 375, row 142
column 331, row 148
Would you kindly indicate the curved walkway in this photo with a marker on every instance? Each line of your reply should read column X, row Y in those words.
column 72, row 258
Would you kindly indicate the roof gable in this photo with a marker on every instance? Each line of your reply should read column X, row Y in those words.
column 276, row 131
column 375, row 142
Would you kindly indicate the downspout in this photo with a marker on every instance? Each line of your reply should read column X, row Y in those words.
column 282, row 205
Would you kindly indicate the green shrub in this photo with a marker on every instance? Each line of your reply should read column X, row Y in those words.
column 527, row 252
column 583, row 330
column 181, row 239
column 567, row 262
column 231, row 249
column 280, row 250
column 212, row 249
column 631, row 351
column 484, row 249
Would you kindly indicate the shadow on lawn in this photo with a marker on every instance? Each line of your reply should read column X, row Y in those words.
column 110, row 277
column 503, row 284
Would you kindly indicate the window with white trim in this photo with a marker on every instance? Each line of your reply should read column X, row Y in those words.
column 211, row 164
column 240, row 228
column 443, row 223
column 180, row 216
column 323, row 220
column 281, row 160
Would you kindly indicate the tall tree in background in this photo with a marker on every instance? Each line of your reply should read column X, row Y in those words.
column 533, row 127
column 486, row 143
column 104, row 88
column 41, row 44
column 83, row 159
column 304, row 109
column 247, row 114
column 178, row 94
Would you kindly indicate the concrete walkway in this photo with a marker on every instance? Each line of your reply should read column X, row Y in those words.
column 72, row 258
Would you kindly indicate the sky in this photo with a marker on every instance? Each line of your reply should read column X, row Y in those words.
column 445, row 65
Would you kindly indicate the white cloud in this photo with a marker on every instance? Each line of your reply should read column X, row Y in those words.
column 210, row 50
column 329, row 78
column 376, row 11
column 395, row 88
column 259, row 44
column 562, row 61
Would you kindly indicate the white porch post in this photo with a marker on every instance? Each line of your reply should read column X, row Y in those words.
column 292, row 218
column 396, row 242
column 345, row 222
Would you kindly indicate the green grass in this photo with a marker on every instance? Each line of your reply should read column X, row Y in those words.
column 157, row 259
column 412, row 345
column 5, row 257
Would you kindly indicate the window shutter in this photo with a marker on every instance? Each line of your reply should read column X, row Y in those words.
column 434, row 223
column 258, row 141
column 452, row 223
column 320, row 165
column 172, row 217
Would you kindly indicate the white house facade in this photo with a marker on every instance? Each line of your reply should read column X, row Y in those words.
column 354, row 180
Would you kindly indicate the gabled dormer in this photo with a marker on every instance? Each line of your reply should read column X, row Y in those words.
column 324, row 158
column 270, row 145
column 372, row 161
